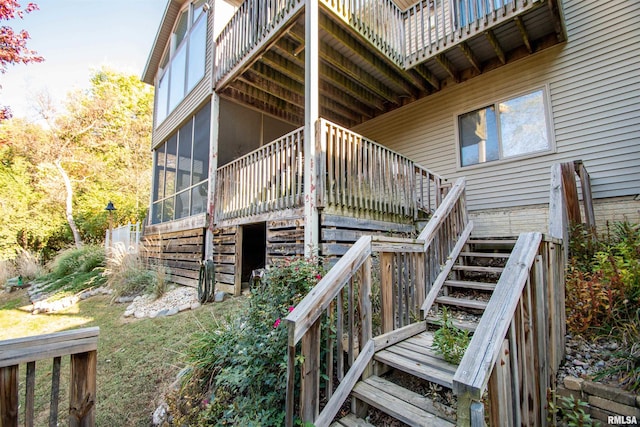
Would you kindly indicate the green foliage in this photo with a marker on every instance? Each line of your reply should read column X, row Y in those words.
column 239, row 366
column 569, row 411
column 74, row 270
column 450, row 341
column 101, row 142
column 603, row 282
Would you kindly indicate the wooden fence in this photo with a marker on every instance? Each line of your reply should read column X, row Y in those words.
column 265, row 180
column 348, row 302
column 126, row 238
column 519, row 343
column 81, row 345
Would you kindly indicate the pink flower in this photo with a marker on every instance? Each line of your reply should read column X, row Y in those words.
column 291, row 308
column 318, row 276
column 276, row 323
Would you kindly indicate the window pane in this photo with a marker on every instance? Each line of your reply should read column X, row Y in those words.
column 167, row 210
column 182, row 27
column 197, row 9
column 162, row 94
column 182, row 204
column 200, row 165
column 170, row 186
column 197, row 53
column 156, row 213
column 523, row 125
column 478, row 137
column 184, row 156
column 158, row 176
column 177, row 75
column 199, row 198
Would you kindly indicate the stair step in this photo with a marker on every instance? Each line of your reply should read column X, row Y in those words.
column 462, row 302
column 478, row 269
column 460, row 324
column 466, row 284
column 486, row 254
column 416, row 356
column 402, row 404
column 478, row 241
column 351, row 421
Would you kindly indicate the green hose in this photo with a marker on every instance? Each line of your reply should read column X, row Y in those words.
column 206, row 280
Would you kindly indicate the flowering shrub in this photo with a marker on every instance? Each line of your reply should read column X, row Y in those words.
column 239, row 375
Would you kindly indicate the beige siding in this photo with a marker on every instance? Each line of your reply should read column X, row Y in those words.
column 593, row 82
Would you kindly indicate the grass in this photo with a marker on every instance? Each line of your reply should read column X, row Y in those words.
column 137, row 359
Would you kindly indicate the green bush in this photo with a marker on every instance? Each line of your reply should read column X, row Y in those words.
column 239, row 366
column 74, row 270
column 449, row 341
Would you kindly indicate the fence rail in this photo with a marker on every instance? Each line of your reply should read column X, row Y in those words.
column 82, row 347
column 339, row 311
column 125, row 238
column 357, row 173
column 262, row 181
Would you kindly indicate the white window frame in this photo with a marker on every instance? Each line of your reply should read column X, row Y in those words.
column 501, row 158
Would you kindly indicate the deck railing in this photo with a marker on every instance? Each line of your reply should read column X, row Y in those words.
column 81, row 345
column 355, row 175
column 265, row 180
column 519, row 342
column 380, row 22
column 253, row 22
column 406, row 37
column 359, row 174
column 338, row 316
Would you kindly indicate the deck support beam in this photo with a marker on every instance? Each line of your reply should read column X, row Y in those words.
column 214, row 126
column 311, row 117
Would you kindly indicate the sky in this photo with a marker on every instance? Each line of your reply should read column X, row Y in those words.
column 76, row 37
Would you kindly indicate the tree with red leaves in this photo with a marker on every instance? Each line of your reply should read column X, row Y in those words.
column 13, row 44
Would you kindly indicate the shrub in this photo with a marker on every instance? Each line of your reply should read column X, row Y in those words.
column 603, row 291
column 239, row 366
column 74, row 270
column 449, row 341
column 133, row 274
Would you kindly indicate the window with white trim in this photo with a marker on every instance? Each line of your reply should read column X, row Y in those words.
column 183, row 63
column 511, row 128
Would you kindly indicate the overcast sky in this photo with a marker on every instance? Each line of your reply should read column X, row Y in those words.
column 75, row 37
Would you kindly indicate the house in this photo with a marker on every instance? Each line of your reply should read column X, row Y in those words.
column 291, row 127
column 495, row 91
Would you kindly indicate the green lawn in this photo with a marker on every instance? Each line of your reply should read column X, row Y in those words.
column 137, row 359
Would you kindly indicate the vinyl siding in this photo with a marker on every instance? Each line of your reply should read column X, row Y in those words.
column 593, row 83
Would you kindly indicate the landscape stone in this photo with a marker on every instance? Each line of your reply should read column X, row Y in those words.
column 139, row 314
column 195, row 305
column 172, row 311
column 163, row 313
column 573, row 383
column 160, row 415
column 184, row 307
column 128, row 313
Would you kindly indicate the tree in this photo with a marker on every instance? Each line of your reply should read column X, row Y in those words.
column 13, row 45
column 97, row 150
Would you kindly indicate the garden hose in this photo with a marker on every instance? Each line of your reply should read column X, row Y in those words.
column 206, row 280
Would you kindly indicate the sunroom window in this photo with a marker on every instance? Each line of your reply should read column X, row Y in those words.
column 181, row 171
column 184, row 61
column 507, row 129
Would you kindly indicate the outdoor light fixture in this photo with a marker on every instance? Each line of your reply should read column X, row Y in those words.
column 110, row 207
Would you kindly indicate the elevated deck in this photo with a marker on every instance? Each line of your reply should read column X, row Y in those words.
column 374, row 57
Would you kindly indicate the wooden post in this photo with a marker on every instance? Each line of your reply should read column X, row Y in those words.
column 212, row 194
column 29, row 394
column 386, row 291
column 82, row 389
column 310, row 381
column 500, row 390
column 9, row 396
column 311, row 116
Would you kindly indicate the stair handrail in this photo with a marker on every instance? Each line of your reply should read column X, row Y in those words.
column 514, row 336
column 303, row 321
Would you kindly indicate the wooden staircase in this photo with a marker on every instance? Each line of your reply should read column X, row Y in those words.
column 465, row 293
